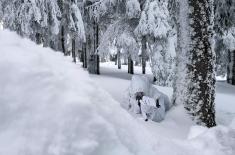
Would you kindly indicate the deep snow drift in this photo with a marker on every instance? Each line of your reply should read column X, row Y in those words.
column 49, row 106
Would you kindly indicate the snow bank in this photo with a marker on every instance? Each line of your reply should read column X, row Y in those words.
column 49, row 106
column 217, row 140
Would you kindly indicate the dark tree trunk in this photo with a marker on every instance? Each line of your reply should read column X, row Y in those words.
column 231, row 68
column 119, row 59
column 93, row 43
column 154, row 79
column 201, row 73
column 38, row 38
column 144, row 53
column 130, row 66
column 96, row 45
column 62, row 40
column 116, row 59
column 84, row 55
column 52, row 45
column 74, row 50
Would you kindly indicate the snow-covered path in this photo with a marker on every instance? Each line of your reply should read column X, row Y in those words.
column 50, row 106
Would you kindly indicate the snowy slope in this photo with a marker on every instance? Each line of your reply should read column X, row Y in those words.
column 49, row 106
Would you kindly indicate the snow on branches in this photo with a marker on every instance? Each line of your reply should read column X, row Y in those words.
column 154, row 20
column 133, row 9
column 154, row 23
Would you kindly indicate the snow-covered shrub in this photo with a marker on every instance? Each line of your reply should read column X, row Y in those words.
column 143, row 98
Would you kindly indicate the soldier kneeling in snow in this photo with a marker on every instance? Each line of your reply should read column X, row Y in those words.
column 152, row 109
column 143, row 98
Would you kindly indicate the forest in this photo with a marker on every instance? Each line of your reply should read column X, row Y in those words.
column 74, row 71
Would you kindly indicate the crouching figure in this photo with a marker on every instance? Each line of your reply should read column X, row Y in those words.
column 143, row 98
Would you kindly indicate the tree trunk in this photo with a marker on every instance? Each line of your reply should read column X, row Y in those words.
column 62, row 40
column 84, row 55
column 231, row 68
column 201, row 72
column 144, row 53
column 97, row 58
column 130, row 66
column 119, row 59
column 73, row 50
column 179, row 84
column 116, row 59
column 38, row 38
column 92, row 45
column 154, row 79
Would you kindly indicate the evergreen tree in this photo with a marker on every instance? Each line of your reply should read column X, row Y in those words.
column 194, row 85
column 118, row 17
column 224, row 27
column 154, row 25
column 200, row 97
column 35, row 19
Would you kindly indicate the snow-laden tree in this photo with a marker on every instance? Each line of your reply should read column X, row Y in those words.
column 128, row 43
column 224, row 25
column 114, row 17
column 133, row 9
column 55, row 23
column 224, row 15
column 72, row 27
column 20, row 15
column 194, row 85
column 1, row 9
column 154, row 25
column 221, row 51
column 50, row 23
column 154, row 19
column 116, row 30
column 35, row 19
column 162, row 62
column 229, row 41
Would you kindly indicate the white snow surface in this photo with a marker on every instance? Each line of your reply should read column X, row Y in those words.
column 50, row 106
column 176, row 126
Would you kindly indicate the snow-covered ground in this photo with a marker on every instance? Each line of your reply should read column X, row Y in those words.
column 116, row 82
column 50, row 106
column 1, row 27
column 176, row 125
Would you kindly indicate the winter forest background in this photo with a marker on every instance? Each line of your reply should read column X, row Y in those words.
column 185, row 47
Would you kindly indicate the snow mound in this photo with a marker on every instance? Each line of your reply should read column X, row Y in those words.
column 217, row 140
column 49, row 106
